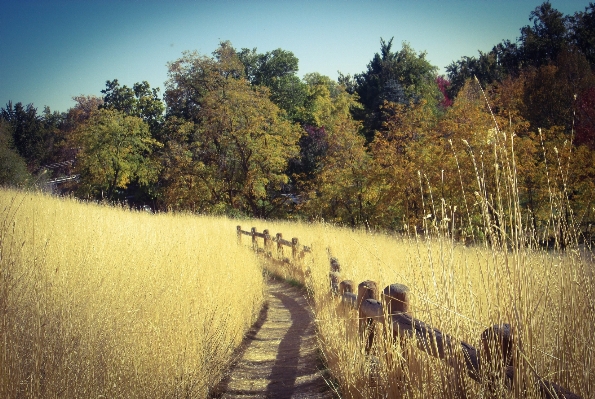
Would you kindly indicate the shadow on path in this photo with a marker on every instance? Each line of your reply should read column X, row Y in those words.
column 279, row 359
column 285, row 369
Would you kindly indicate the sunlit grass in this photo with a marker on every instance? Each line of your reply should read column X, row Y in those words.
column 98, row 301
column 104, row 302
column 546, row 295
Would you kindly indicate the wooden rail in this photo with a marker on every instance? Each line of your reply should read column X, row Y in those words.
column 393, row 308
column 298, row 251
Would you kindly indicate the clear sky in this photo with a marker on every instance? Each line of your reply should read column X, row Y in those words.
column 52, row 50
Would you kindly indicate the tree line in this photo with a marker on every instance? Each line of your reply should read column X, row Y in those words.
column 393, row 147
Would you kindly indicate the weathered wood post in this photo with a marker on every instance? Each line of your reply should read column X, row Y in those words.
column 335, row 275
column 366, row 290
column 279, row 246
column 239, row 230
column 267, row 242
column 335, row 265
column 254, row 242
column 334, row 278
column 396, row 298
column 294, row 248
column 496, row 357
column 345, row 286
column 348, row 297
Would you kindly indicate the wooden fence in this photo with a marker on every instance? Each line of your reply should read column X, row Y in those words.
column 392, row 307
column 297, row 251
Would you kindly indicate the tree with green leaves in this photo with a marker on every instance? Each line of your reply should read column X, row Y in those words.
column 193, row 75
column 115, row 150
column 325, row 102
column 276, row 70
column 583, row 32
column 245, row 144
column 140, row 101
column 231, row 142
column 29, row 136
column 336, row 186
column 546, row 38
column 183, row 182
column 551, row 91
column 13, row 170
column 403, row 77
column 486, row 68
column 550, row 36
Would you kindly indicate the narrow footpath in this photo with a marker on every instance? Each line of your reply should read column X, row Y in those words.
column 279, row 357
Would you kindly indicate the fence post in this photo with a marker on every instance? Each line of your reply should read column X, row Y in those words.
column 345, row 286
column 239, row 229
column 335, row 276
column 294, row 248
column 335, row 265
column 279, row 246
column 497, row 343
column 267, row 241
column 254, row 243
column 396, row 298
column 348, row 297
column 366, row 290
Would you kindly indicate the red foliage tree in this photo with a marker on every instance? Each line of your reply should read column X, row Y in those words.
column 443, row 85
column 585, row 118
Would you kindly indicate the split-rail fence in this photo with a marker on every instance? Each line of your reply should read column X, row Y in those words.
column 392, row 306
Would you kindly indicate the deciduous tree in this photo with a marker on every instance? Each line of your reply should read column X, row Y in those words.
column 340, row 189
column 140, row 101
column 13, row 170
column 193, row 75
column 546, row 38
column 245, row 145
column 239, row 145
column 276, row 70
column 29, row 136
column 583, row 32
column 115, row 149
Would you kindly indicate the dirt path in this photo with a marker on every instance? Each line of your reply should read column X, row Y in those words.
column 279, row 358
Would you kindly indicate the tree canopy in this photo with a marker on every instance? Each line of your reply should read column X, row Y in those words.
column 13, row 170
column 115, row 150
column 237, row 150
column 402, row 77
column 140, row 101
column 277, row 71
column 396, row 146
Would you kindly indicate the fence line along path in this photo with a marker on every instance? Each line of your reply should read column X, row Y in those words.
column 279, row 359
column 392, row 307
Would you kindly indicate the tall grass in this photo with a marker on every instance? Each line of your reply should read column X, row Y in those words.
column 102, row 302
column 546, row 294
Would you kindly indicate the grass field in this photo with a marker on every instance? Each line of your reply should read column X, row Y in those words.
column 546, row 295
column 103, row 302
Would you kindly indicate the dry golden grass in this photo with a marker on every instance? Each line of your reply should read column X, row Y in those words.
column 97, row 301
column 547, row 296
column 103, row 302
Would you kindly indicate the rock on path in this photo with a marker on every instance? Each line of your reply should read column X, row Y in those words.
column 279, row 358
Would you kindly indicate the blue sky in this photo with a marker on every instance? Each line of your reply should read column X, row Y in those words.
column 53, row 50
